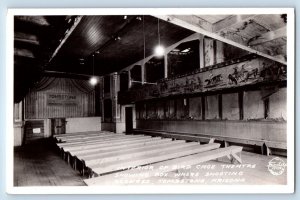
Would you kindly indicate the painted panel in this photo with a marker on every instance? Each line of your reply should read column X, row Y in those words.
column 160, row 109
column 180, row 108
column 253, row 105
column 172, row 109
column 195, row 108
column 211, row 107
column 230, row 106
column 278, row 105
column 208, row 51
column 61, row 99
column 248, row 72
column 151, row 110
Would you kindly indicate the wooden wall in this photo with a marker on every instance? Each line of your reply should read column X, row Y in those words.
column 226, row 106
column 38, row 104
column 238, row 115
column 247, row 130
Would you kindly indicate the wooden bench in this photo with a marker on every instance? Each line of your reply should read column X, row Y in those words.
column 265, row 145
column 128, row 155
column 146, row 160
column 74, row 135
column 178, row 136
column 83, row 155
column 155, row 146
column 233, row 152
column 101, row 139
column 100, row 157
column 87, row 152
column 67, row 151
column 83, row 137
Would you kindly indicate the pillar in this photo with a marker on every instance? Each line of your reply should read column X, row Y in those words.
column 143, row 73
column 201, row 51
column 129, row 79
column 166, row 65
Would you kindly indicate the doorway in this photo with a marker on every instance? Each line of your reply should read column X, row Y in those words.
column 128, row 120
column 58, row 126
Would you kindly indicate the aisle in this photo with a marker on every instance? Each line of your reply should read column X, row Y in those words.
column 37, row 164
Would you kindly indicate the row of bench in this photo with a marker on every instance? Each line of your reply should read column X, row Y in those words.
column 99, row 154
column 266, row 147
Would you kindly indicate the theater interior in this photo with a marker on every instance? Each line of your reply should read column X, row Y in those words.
column 98, row 98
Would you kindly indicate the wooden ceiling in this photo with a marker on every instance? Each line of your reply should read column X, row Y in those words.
column 67, row 43
column 264, row 34
column 115, row 42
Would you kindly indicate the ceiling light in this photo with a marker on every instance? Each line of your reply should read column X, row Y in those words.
column 159, row 51
column 93, row 80
column 125, row 16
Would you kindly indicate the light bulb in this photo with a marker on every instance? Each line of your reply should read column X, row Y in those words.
column 93, row 80
column 159, row 50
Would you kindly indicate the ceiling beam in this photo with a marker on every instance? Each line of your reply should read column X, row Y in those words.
column 67, row 35
column 269, row 36
column 194, row 27
column 27, row 38
column 194, row 19
column 38, row 20
column 195, row 36
column 230, row 21
column 23, row 52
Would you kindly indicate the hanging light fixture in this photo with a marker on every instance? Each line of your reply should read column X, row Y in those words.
column 159, row 50
column 93, row 80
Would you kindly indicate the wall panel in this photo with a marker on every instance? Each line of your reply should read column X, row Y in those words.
column 211, row 107
column 257, row 130
column 195, row 108
column 253, row 105
column 278, row 104
column 230, row 106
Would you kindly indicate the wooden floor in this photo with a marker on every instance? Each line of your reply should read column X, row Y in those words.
column 253, row 171
column 37, row 164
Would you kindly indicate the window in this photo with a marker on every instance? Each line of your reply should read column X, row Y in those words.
column 184, row 58
column 107, row 110
column 107, row 84
column 124, row 81
column 154, row 69
column 136, row 75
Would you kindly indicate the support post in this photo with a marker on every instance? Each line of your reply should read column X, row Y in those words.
column 201, row 51
column 143, row 73
column 166, row 65
column 129, row 79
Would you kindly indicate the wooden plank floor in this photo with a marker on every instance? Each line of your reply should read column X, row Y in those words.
column 253, row 171
column 37, row 164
